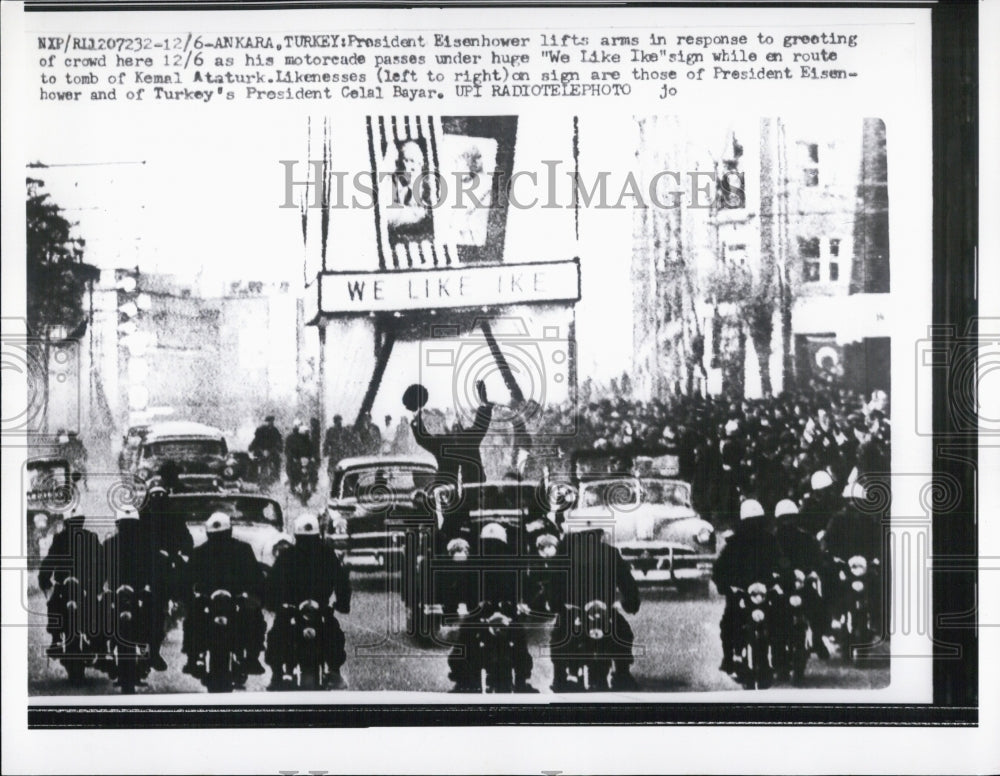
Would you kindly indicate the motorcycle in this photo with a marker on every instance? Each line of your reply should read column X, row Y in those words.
column 223, row 669
column 858, row 581
column 753, row 651
column 266, row 469
column 303, row 479
column 790, row 601
column 130, row 613
column 309, row 644
column 76, row 652
column 592, row 624
column 499, row 648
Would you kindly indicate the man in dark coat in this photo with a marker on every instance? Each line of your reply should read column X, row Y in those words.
column 597, row 572
column 132, row 558
column 224, row 563
column 74, row 552
column 455, row 451
column 308, row 570
column 751, row 555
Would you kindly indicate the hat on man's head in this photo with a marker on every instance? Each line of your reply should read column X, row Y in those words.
column 751, row 508
column 820, row 480
column 415, row 397
column 269, row 419
column 785, row 507
column 218, row 522
column 306, row 525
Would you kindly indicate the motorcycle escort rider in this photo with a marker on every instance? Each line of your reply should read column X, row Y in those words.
column 597, row 572
column 75, row 552
column 493, row 612
column 801, row 550
column 308, row 570
column 751, row 555
column 130, row 559
column 267, row 439
column 298, row 445
column 224, row 563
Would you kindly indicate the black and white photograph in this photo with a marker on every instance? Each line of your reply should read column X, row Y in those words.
column 482, row 364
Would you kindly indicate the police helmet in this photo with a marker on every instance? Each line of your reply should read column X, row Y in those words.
column 217, row 523
column 785, row 507
column 751, row 508
column 820, row 480
column 306, row 525
column 494, row 531
column 126, row 512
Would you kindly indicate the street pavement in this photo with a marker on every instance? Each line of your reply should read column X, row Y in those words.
column 677, row 642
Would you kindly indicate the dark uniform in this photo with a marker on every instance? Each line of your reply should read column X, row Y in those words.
column 458, row 450
column 801, row 550
column 490, row 637
column 225, row 563
column 131, row 558
column 751, row 555
column 297, row 446
column 309, row 570
column 597, row 572
column 77, row 552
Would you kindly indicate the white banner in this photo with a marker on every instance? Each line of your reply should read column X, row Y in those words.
column 363, row 292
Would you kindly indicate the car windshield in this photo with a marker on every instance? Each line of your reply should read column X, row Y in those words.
column 373, row 484
column 185, row 449
column 499, row 497
column 666, row 492
column 611, row 493
column 242, row 510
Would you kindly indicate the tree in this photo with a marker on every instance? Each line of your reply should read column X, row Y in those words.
column 56, row 275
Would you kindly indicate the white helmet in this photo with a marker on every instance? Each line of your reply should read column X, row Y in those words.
column 494, row 531
column 218, row 522
column 306, row 525
column 820, row 480
column 126, row 512
column 856, row 491
column 785, row 507
column 751, row 508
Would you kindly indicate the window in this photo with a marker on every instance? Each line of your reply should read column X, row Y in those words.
column 810, row 163
column 834, row 271
column 809, row 252
column 835, row 246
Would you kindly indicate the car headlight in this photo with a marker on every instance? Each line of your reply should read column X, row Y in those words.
column 704, row 536
column 143, row 473
column 757, row 615
column 338, row 525
column 229, row 472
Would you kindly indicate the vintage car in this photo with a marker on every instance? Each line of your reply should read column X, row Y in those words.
column 200, row 452
column 367, row 495
column 257, row 520
column 49, row 496
column 647, row 514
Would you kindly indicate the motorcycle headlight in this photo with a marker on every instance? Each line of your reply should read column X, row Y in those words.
column 757, row 615
column 704, row 535
column 221, row 620
column 309, row 633
column 858, row 565
column 229, row 472
column 857, row 586
column 795, row 600
column 596, row 633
